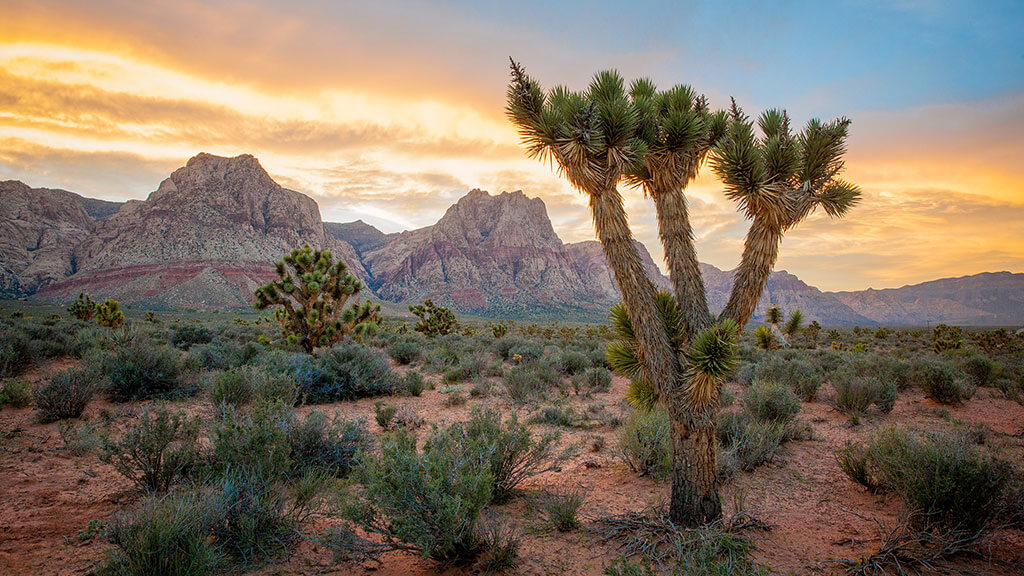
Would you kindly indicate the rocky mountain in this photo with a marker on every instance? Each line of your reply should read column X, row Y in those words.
column 490, row 255
column 211, row 232
column 993, row 298
column 39, row 229
column 205, row 238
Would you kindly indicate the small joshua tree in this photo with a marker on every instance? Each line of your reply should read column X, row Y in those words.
column 83, row 307
column 796, row 321
column 499, row 330
column 311, row 291
column 811, row 332
column 433, row 320
column 109, row 314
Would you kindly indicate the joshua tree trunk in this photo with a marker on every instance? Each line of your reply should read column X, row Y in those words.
column 612, row 226
column 676, row 236
column 694, row 485
column 695, row 499
column 760, row 250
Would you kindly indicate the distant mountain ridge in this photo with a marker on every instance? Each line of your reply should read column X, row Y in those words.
column 212, row 231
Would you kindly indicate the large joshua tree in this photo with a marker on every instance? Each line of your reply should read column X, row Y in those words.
column 675, row 350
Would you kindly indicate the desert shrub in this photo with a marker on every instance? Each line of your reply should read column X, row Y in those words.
column 167, row 536
column 980, row 370
column 187, row 335
column 15, row 393
column 562, row 508
column 940, row 383
column 513, row 454
column 771, row 402
column 383, row 413
column 645, row 443
column 530, row 381
column 14, row 352
column 593, row 380
column 405, row 351
column 256, row 519
column 66, row 394
column 82, row 438
column 429, row 500
column 160, row 448
column 855, row 394
column 240, row 386
column 500, row 540
column 346, row 372
column 749, row 443
column 853, row 461
column 328, row 445
column 255, row 440
column 943, row 478
column 563, row 416
column 571, row 362
column 503, row 347
column 140, row 371
column 222, row 354
column 413, row 383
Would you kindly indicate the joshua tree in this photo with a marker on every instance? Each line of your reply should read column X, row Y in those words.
column 434, row 320
column 811, row 332
column 673, row 347
column 310, row 292
column 109, row 314
column 83, row 307
column 796, row 321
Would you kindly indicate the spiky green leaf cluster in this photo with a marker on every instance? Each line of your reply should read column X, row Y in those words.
column 711, row 358
column 781, row 176
column 82, row 308
column 311, row 291
column 109, row 314
column 795, row 322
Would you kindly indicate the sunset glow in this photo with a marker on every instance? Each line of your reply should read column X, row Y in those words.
column 391, row 124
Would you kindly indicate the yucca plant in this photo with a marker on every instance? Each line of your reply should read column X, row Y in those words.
column 765, row 338
column 83, row 307
column 794, row 324
column 671, row 345
column 109, row 314
column 310, row 294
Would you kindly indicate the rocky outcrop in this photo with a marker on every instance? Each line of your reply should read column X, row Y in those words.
column 493, row 255
column 360, row 235
column 204, row 238
column 993, row 298
column 39, row 229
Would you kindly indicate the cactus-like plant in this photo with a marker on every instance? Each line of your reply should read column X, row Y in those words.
column 946, row 338
column 433, row 320
column 796, row 321
column 109, row 314
column 811, row 332
column 83, row 307
column 499, row 330
column 310, row 294
column 765, row 338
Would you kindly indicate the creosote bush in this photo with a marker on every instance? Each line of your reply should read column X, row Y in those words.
column 771, row 402
column 346, row 372
column 140, row 371
column 944, row 479
column 65, row 395
column 941, row 383
column 158, row 449
column 645, row 444
column 855, row 394
column 16, row 393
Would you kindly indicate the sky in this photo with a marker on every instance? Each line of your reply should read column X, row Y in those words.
column 389, row 111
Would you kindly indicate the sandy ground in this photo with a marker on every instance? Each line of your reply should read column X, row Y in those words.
column 48, row 496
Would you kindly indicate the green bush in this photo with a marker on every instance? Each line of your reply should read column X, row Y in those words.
column 940, row 383
column 328, row 445
column 645, row 443
column 530, row 381
column 140, row 371
column 512, row 452
column 255, row 441
column 240, row 386
column 593, row 380
column 500, row 540
column 14, row 352
column 167, row 536
column 65, row 396
column 428, row 500
column 571, row 362
column 562, row 508
column 413, row 383
column 15, row 393
column 771, row 402
column 346, row 372
column 980, row 370
column 942, row 477
column 159, row 449
column 405, row 351
column 855, row 394
column 186, row 336
column 748, row 443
